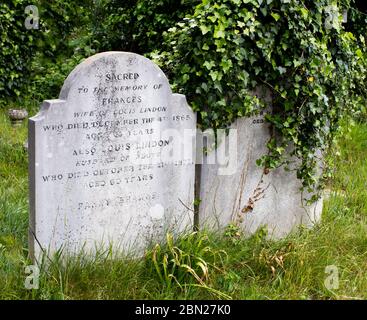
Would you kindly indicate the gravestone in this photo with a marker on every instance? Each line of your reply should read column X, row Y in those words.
column 238, row 191
column 111, row 160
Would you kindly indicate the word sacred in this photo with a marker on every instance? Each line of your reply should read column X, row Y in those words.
column 121, row 76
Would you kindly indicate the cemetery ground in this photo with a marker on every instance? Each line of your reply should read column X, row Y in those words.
column 207, row 266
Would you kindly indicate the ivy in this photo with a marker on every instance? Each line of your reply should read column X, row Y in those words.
column 27, row 56
column 135, row 25
column 300, row 51
column 16, row 45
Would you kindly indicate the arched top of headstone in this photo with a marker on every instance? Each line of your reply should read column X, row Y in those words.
column 113, row 68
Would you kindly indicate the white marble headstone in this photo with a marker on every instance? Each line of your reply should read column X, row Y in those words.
column 111, row 160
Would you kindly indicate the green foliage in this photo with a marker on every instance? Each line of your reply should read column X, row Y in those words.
column 153, row 17
column 16, row 47
column 186, row 263
column 13, row 186
column 31, row 57
column 298, row 50
column 357, row 24
column 61, row 22
column 63, row 42
column 135, row 25
column 49, row 75
column 233, row 233
column 111, row 25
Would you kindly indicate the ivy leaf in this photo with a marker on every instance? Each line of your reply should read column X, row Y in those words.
column 209, row 64
column 304, row 12
column 275, row 16
column 282, row 70
column 359, row 53
column 219, row 33
column 204, row 29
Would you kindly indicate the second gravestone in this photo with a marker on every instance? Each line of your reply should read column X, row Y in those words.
column 112, row 160
column 248, row 196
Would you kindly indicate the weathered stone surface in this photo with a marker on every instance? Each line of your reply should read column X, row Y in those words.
column 249, row 196
column 107, row 165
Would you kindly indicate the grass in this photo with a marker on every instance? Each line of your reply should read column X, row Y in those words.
column 202, row 265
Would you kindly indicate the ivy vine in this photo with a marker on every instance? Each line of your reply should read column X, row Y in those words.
column 301, row 51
